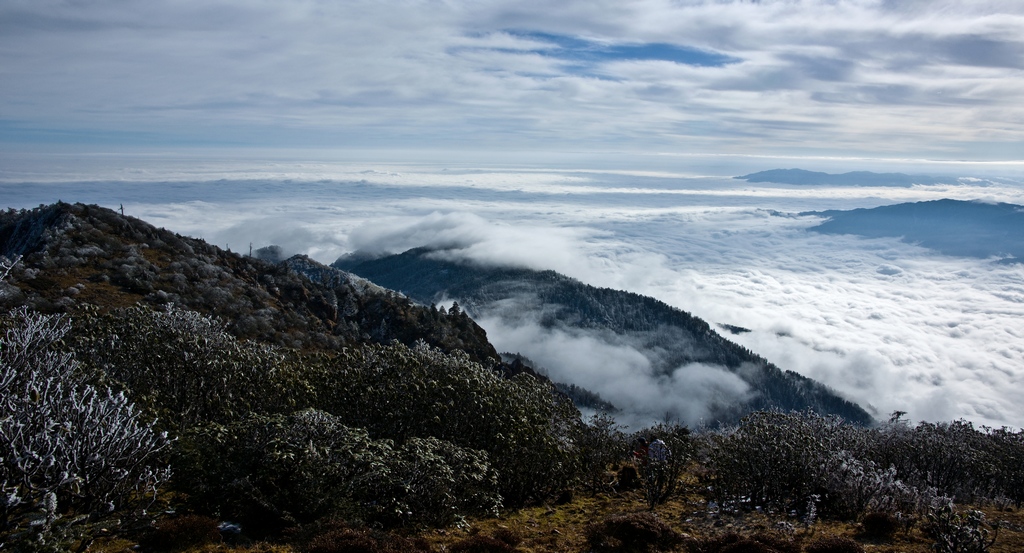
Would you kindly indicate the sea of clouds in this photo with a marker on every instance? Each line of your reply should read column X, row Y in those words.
column 890, row 325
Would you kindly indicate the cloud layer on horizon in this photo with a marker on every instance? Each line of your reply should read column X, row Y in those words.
column 918, row 78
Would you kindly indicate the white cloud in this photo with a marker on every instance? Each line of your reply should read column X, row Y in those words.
column 860, row 76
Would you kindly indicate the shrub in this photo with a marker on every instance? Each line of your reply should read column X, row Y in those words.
column 527, row 429
column 958, row 532
column 775, row 460
column 633, row 532
column 880, row 526
column 66, row 447
column 600, row 444
column 184, row 366
column 270, row 472
column 834, row 544
column 659, row 477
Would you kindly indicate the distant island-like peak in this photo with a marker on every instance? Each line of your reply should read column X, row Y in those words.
column 853, row 178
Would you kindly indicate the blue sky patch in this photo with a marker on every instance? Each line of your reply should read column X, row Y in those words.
column 587, row 51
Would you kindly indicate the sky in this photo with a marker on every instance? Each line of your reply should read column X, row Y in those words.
column 916, row 79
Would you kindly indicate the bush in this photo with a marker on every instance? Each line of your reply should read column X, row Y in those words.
column 270, row 472
column 958, row 532
column 634, row 532
column 66, row 447
column 775, row 460
column 659, row 477
column 834, row 544
column 880, row 526
column 185, row 367
column 528, row 430
column 601, row 443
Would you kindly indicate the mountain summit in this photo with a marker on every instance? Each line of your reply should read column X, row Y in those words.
column 75, row 254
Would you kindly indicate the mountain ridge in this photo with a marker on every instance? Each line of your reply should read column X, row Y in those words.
column 953, row 227
column 77, row 254
column 670, row 337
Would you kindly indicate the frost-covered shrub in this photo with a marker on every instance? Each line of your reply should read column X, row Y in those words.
column 774, row 460
column 854, row 486
column 428, row 481
column 955, row 458
column 272, row 471
column 65, row 446
column 958, row 531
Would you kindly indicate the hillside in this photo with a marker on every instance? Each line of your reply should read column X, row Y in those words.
column 670, row 338
column 133, row 424
column 953, row 227
column 81, row 254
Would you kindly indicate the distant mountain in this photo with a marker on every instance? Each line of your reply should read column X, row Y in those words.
column 953, row 227
column 854, row 178
column 84, row 254
column 670, row 338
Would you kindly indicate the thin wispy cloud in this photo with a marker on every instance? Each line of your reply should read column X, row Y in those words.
column 925, row 79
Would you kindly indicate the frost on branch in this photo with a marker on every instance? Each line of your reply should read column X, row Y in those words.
column 65, row 446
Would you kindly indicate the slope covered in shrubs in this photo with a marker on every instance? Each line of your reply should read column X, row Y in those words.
column 75, row 254
column 316, row 445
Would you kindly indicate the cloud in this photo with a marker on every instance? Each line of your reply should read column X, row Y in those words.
column 620, row 373
column 927, row 79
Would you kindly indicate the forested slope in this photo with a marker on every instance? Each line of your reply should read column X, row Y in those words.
column 670, row 337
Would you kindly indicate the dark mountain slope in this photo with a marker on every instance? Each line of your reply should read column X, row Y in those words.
column 78, row 254
column 669, row 337
column 953, row 227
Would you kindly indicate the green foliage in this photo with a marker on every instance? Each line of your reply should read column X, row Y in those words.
column 397, row 392
column 601, row 443
column 184, row 366
column 269, row 472
column 772, row 459
column 660, row 477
